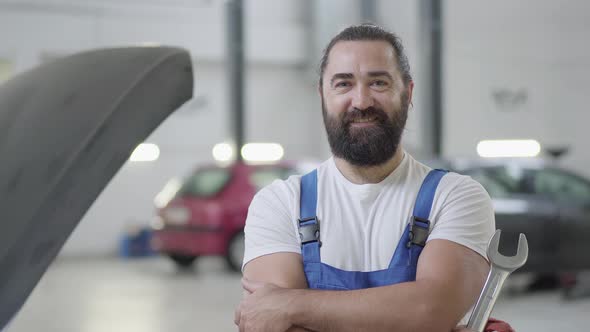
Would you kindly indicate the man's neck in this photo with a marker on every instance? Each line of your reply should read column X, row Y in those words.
column 369, row 174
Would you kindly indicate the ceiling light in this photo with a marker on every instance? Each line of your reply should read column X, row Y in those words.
column 170, row 190
column 223, row 152
column 508, row 148
column 145, row 152
column 262, row 152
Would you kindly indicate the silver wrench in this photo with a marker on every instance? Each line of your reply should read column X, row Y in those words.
column 501, row 267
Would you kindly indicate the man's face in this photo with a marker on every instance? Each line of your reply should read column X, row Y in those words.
column 364, row 102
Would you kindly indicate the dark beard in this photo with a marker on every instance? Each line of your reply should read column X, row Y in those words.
column 369, row 146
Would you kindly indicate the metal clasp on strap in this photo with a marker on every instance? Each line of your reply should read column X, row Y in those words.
column 309, row 232
column 419, row 228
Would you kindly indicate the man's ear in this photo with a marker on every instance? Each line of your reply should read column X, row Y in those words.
column 410, row 92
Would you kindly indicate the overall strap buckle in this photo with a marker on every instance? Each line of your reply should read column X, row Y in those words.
column 419, row 224
column 309, row 230
column 419, row 228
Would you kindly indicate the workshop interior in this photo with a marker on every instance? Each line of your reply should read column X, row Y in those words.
column 135, row 134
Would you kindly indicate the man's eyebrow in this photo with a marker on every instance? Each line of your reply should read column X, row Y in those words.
column 380, row 73
column 342, row 76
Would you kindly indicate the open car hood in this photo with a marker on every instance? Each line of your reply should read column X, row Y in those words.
column 65, row 129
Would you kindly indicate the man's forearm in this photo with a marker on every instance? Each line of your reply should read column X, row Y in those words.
column 410, row 306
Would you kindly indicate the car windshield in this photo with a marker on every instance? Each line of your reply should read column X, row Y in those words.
column 205, row 182
column 495, row 187
column 561, row 185
column 556, row 184
column 502, row 181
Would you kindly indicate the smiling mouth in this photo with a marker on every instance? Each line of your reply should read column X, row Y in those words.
column 365, row 120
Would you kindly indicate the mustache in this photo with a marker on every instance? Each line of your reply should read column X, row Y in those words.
column 369, row 113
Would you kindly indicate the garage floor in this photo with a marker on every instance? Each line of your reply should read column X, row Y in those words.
column 145, row 295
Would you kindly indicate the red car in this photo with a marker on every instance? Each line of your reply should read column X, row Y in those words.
column 207, row 214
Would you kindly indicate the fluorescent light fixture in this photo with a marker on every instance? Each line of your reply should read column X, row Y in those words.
column 168, row 192
column 223, row 152
column 145, row 152
column 508, row 148
column 262, row 152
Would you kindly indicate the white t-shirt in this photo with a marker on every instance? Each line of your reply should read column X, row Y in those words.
column 360, row 225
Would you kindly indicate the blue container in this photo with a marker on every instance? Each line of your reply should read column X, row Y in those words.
column 136, row 244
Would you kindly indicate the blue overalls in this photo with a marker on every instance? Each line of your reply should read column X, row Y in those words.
column 404, row 262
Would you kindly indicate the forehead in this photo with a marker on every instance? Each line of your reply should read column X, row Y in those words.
column 361, row 56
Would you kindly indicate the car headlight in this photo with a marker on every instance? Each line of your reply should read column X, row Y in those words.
column 176, row 215
column 157, row 223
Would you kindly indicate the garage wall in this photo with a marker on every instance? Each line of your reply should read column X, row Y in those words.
column 517, row 69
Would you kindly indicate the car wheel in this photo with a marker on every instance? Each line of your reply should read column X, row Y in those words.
column 569, row 289
column 182, row 261
column 235, row 252
column 544, row 282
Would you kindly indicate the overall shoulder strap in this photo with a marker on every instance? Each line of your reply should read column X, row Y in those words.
column 420, row 224
column 308, row 195
column 309, row 226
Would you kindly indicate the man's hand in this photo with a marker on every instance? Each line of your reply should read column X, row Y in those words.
column 265, row 308
column 492, row 325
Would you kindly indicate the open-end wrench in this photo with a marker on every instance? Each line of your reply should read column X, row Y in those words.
column 501, row 267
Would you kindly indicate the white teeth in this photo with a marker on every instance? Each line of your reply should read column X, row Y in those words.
column 364, row 120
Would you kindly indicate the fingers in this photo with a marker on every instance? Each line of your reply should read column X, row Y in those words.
column 238, row 319
column 237, row 315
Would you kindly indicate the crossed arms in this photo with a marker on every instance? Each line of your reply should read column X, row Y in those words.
column 448, row 280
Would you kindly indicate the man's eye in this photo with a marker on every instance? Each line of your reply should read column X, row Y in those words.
column 379, row 83
column 343, row 84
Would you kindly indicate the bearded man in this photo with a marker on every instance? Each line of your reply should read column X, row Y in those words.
column 372, row 240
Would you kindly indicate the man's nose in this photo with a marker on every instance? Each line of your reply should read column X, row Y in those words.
column 362, row 98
